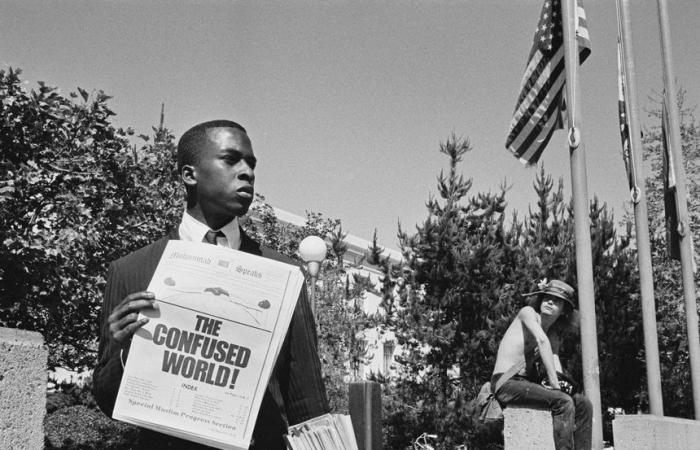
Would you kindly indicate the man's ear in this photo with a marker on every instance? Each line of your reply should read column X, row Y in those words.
column 189, row 175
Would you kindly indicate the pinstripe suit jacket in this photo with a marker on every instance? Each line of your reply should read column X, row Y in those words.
column 295, row 392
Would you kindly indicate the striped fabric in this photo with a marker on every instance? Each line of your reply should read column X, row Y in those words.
column 538, row 111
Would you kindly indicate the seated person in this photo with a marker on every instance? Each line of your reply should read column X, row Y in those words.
column 535, row 336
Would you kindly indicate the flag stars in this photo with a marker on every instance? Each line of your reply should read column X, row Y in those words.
column 529, row 133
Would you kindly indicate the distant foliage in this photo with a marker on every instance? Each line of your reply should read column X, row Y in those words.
column 340, row 318
column 285, row 238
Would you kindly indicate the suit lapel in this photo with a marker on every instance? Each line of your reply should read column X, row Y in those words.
column 248, row 245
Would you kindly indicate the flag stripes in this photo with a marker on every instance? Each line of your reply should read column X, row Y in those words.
column 582, row 28
column 539, row 109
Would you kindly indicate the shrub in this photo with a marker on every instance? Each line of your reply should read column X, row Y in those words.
column 79, row 427
column 73, row 421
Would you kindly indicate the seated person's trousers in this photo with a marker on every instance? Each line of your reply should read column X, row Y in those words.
column 571, row 415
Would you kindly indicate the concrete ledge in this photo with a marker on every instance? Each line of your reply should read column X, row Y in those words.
column 23, row 359
column 527, row 429
column 646, row 432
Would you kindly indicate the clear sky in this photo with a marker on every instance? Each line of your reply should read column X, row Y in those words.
column 346, row 101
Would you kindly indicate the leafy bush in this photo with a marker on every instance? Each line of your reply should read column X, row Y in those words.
column 74, row 195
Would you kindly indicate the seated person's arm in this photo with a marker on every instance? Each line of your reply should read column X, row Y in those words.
column 529, row 318
column 555, row 342
column 557, row 363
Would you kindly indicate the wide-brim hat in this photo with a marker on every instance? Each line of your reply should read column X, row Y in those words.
column 556, row 288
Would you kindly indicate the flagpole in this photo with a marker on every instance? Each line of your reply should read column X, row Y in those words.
column 641, row 221
column 584, row 265
column 675, row 150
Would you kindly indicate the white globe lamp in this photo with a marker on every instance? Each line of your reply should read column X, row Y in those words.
column 313, row 251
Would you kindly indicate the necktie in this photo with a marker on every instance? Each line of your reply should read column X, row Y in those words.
column 210, row 237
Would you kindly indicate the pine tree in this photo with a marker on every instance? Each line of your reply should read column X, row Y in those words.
column 456, row 276
column 375, row 251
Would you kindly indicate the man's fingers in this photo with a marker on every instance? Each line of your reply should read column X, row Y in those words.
column 126, row 321
column 133, row 302
column 123, row 321
column 135, row 298
column 127, row 326
column 119, row 324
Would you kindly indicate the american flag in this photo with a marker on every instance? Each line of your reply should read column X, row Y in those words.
column 538, row 111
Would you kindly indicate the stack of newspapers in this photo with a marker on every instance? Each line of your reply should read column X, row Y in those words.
column 198, row 369
column 327, row 432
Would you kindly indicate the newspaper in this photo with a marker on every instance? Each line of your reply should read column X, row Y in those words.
column 199, row 368
column 326, row 432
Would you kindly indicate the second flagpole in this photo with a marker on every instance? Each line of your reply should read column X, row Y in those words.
column 646, row 276
column 582, row 231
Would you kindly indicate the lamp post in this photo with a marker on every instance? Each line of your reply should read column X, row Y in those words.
column 313, row 251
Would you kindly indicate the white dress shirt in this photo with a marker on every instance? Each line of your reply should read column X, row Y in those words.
column 193, row 230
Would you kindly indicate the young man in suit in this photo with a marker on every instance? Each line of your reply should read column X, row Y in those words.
column 534, row 337
column 217, row 166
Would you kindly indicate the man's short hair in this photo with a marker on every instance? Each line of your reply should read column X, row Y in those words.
column 189, row 145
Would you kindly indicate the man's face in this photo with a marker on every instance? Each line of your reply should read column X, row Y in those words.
column 225, row 173
column 552, row 306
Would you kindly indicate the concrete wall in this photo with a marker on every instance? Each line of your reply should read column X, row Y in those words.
column 23, row 359
column 527, row 429
column 645, row 432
